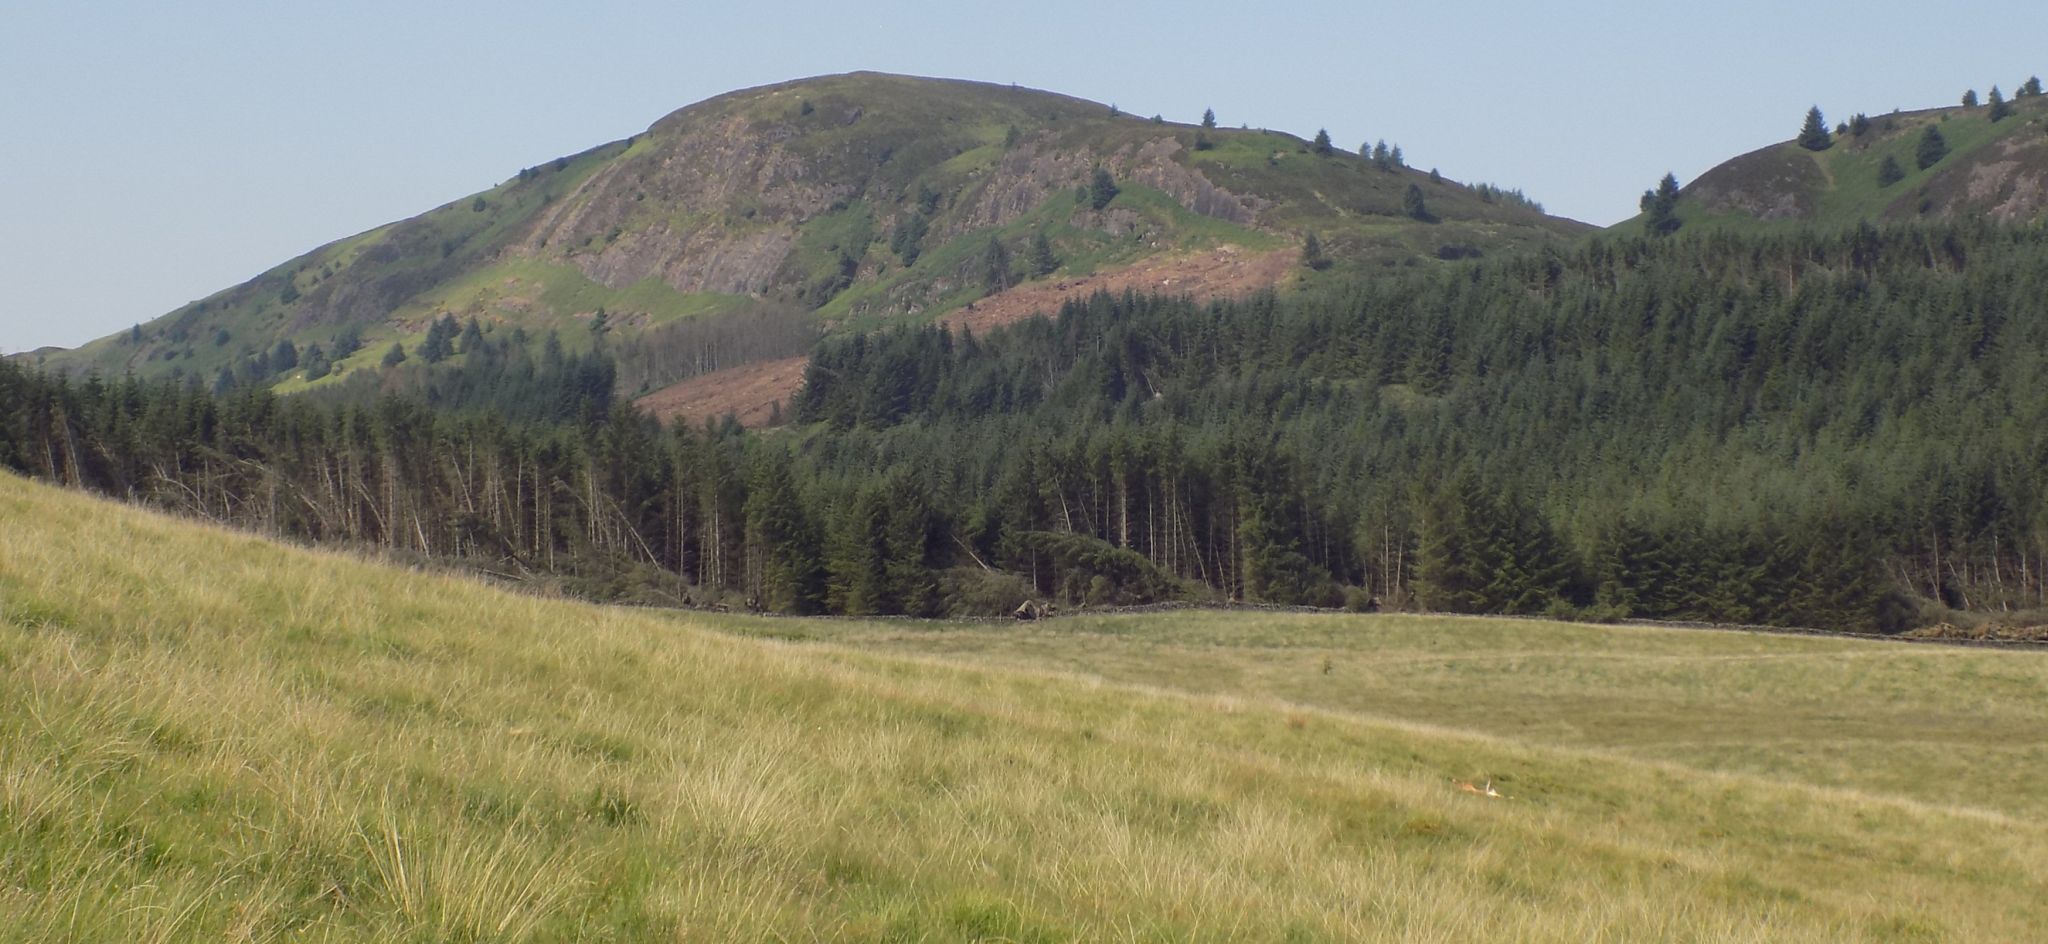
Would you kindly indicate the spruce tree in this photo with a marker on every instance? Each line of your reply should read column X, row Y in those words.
column 1933, row 147
column 1043, row 262
column 1999, row 108
column 1814, row 136
column 995, row 267
column 1970, row 99
column 1661, row 205
column 1412, row 204
column 284, row 357
column 1312, row 253
column 2030, row 88
column 1101, row 189
column 1889, row 172
column 395, row 356
column 1321, row 145
column 315, row 362
column 1209, row 118
column 783, row 547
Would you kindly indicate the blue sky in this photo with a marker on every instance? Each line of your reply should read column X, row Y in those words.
column 154, row 153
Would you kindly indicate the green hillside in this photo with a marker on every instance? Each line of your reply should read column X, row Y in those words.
column 856, row 199
column 1990, row 170
column 204, row 736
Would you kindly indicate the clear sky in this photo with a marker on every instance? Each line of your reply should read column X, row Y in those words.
column 152, row 153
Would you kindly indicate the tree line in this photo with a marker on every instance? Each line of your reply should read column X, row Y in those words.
column 1821, row 429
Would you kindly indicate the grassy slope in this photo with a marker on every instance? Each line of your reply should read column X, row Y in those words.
column 207, row 737
column 911, row 132
column 1839, row 186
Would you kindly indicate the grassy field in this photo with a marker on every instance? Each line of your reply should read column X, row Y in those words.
column 204, row 736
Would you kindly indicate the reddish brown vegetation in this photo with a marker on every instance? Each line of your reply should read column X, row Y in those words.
column 750, row 391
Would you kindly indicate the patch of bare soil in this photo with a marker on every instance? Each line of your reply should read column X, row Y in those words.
column 750, row 391
column 1223, row 272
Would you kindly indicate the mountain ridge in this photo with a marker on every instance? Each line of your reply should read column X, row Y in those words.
column 1996, row 170
column 850, row 201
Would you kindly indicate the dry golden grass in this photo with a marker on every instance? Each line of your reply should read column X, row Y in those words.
column 207, row 737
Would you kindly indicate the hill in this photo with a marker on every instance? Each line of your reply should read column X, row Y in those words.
column 1989, row 170
column 839, row 203
column 204, row 736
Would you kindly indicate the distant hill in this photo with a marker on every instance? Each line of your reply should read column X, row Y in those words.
column 1991, row 170
column 836, row 203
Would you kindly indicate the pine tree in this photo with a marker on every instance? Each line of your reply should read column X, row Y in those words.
column 1043, row 262
column 284, row 357
column 395, row 356
column 1209, row 118
column 1101, row 189
column 1381, row 157
column 440, row 342
column 1321, row 145
column 2030, row 88
column 1999, row 108
column 1933, row 147
column 1970, row 99
column 1411, row 204
column 1814, row 136
column 1661, row 205
column 1889, row 172
column 315, row 362
column 995, row 267
column 1312, row 253
column 783, row 555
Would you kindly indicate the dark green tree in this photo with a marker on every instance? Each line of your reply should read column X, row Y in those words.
column 1412, row 204
column 1312, row 254
column 1999, row 108
column 284, row 356
column 315, row 362
column 2030, row 88
column 472, row 336
column 995, row 266
column 1101, row 188
column 347, row 341
column 1209, row 118
column 1813, row 135
column 1933, row 147
column 1043, row 262
column 907, row 240
column 1321, row 145
column 783, row 553
column 440, row 341
column 395, row 355
column 1859, row 125
column 1661, row 207
column 1970, row 99
column 1889, row 172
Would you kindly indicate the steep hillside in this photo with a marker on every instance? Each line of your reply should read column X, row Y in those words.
column 1988, row 170
column 849, row 201
column 207, row 737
